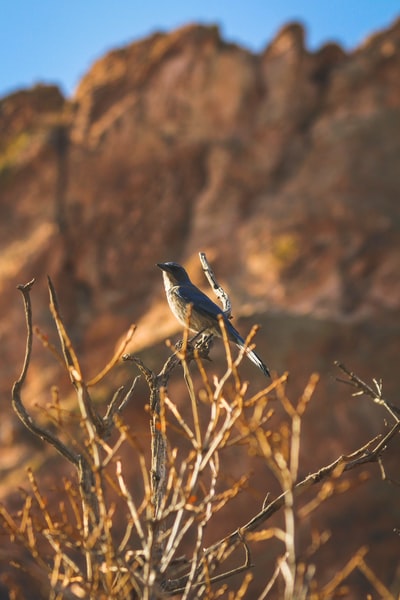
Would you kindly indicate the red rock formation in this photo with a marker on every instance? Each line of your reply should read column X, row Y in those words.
column 282, row 166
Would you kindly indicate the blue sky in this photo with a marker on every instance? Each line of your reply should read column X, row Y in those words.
column 55, row 41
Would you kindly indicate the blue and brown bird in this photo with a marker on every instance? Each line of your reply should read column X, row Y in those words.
column 204, row 313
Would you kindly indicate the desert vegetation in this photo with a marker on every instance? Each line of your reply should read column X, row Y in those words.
column 110, row 537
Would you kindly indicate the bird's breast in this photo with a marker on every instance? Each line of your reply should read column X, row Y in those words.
column 183, row 310
column 178, row 306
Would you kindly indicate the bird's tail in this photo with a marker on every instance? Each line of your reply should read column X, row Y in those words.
column 251, row 355
column 256, row 360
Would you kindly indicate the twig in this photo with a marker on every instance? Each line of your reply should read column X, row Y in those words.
column 360, row 456
column 217, row 289
column 115, row 358
column 72, row 364
column 364, row 388
column 172, row 586
column 330, row 587
column 117, row 404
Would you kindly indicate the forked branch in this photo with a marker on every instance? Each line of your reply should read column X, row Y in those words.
column 18, row 406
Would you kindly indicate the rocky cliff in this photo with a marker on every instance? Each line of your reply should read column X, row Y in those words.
column 283, row 167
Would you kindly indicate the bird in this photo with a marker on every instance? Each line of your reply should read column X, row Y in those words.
column 204, row 313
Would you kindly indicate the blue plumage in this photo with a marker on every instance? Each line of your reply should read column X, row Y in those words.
column 182, row 294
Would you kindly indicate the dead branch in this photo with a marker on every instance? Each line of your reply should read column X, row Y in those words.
column 89, row 414
column 114, row 360
column 182, row 494
column 364, row 388
column 215, row 286
column 344, row 463
column 17, row 403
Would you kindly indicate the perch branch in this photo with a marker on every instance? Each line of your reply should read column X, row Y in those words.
column 217, row 289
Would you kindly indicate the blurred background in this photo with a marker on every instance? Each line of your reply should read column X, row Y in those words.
column 266, row 136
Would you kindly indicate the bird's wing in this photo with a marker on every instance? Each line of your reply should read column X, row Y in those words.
column 201, row 303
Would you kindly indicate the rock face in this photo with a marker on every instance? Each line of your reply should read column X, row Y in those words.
column 283, row 167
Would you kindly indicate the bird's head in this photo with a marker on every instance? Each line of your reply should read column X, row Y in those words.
column 175, row 273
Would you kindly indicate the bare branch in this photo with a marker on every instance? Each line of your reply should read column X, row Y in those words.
column 174, row 502
column 17, row 403
column 215, row 286
column 115, row 358
column 116, row 406
column 359, row 457
column 375, row 394
column 72, row 364
column 173, row 585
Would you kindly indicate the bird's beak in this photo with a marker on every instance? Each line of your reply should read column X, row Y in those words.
column 163, row 266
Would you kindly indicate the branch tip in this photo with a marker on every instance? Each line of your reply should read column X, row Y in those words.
column 26, row 287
